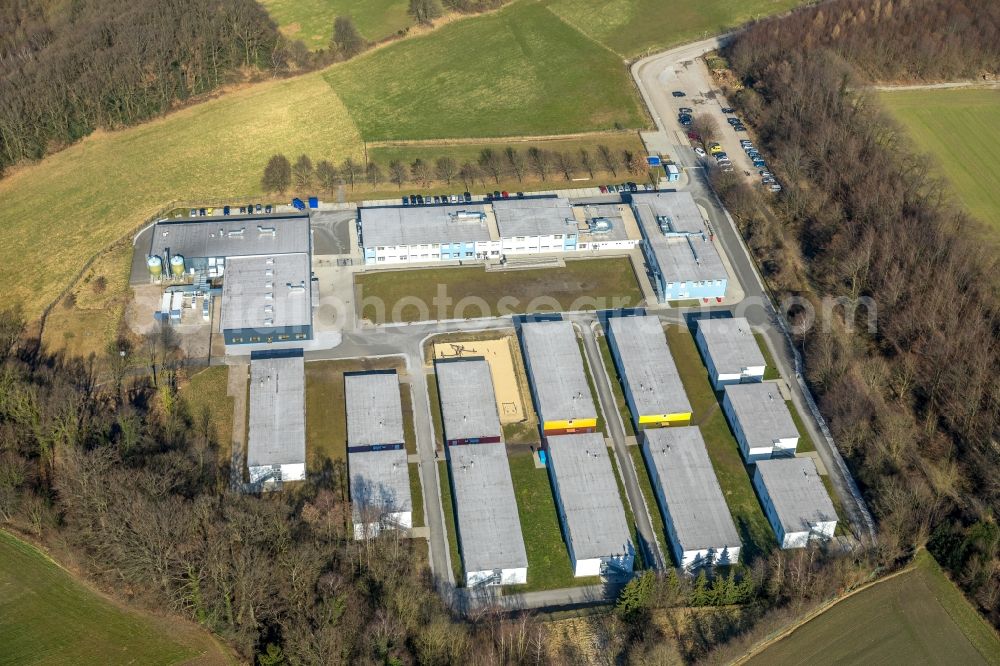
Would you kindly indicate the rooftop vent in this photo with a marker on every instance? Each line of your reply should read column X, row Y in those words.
column 267, row 231
column 236, row 233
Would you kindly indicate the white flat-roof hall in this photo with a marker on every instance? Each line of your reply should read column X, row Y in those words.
column 699, row 525
column 468, row 403
column 489, row 528
column 795, row 501
column 374, row 410
column 653, row 387
column 559, row 383
column 730, row 350
column 590, row 507
column 276, row 442
column 760, row 420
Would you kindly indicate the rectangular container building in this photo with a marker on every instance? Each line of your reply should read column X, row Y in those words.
column 652, row 386
column 698, row 522
column 376, row 454
column 680, row 256
column 536, row 224
column 795, row 501
column 557, row 377
column 397, row 234
column 276, row 441
column 468, row 403
column 590, row 508
column 489, row 529
column 730, row 350
column 267, row 298
column 760, row 420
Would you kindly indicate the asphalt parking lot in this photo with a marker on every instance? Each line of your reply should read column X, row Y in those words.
column 332, row 231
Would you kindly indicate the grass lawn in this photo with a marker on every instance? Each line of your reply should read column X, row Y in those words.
column 960, row 129
column 755, row 531
column 805, row 441
column 659, row 529
column 525, row 432
column 208, row 390
column 451, row 525
column 918, row 617
column 311, row 21
column 616, row 387
column 58, row 213
column 326, row 416
column 48, row 617
column 585, row 284
column 549, row 566
column 630, row 27
column 436, row 416
column 770, row 367
column 416, row 495
column 518, row 71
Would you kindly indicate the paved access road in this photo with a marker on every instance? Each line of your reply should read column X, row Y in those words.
column 654, row 75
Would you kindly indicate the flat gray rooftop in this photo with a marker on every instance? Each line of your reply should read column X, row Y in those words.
column 267, row 291
column 731, row 344
column 797, row 493
column 762, row 413
column 423, row 225
column 277, row 428
column 683, row 472
column 611, row 213
column 648, row 365
column 468, row 403
column 486, row 509
column 231, row 236
column 374, row 409
column 557, row 372
column 379, row 482
column 678, row 207
column 681, row 259
column 588, row 493
column 543, row 216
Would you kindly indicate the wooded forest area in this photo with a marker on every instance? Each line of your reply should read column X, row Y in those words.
column 915, row 404
column 67, row 69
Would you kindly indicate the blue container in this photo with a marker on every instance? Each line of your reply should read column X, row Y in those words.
column 297, row 204
column 543, row 458
column 314, row 202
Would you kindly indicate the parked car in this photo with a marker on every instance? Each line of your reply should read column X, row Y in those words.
column 764, row 173
column 505, row 194
column 201, row 212
column 268, row 209
column 603, row 189
column 694, row 136
column 250, row 209
column 648, row 187
column 685, row 121
column 193, row 212
column 715, row 148
column 768, row 181
column 225, row 210
column 679, row 93
column 700, row 151
column 453, row 198
column 739, row 128
column 520, row 195
column 632, row 187
column 259, row 209
column 420, row 200
column 774, row 187
column 468, row 197
column 760, row 164
column 733, row 121
column 727, row 167
column 243, row 210
column 721, row 156
column 728, row 109
column 685, row 109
